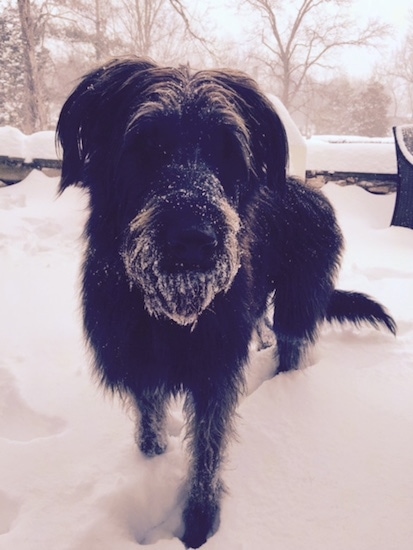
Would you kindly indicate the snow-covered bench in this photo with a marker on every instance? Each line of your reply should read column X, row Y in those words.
column 403, row 210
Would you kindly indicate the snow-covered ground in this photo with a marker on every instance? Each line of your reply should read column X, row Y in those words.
column 324, row 456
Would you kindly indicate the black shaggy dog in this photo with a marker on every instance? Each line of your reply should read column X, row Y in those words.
column 194, row 230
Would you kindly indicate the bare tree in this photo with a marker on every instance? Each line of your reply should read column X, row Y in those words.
column 298, row 39
column 12, row 81
column 181, row 10
column 35, row 115
column 141, row 20
column 402, row 67
column 100, row 30
column 78, row 23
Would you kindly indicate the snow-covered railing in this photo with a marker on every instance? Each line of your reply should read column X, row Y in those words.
column 403, row 210
column 368, row 162
column 20, row 154
column 15, row 169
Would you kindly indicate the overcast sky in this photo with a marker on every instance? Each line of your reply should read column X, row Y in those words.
column 393, row 12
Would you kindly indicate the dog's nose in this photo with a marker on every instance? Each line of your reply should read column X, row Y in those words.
column 192, row 247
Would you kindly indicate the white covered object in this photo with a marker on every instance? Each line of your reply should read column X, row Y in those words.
column 296, row 143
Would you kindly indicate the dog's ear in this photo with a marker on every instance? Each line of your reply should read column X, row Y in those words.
column 87, row 122
column 268, row 140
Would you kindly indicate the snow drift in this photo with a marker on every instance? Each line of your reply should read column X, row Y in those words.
column 323, row 457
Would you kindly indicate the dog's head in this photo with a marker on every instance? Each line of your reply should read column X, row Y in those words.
column 172, row 160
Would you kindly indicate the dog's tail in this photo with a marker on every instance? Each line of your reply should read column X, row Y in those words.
column 358, row 308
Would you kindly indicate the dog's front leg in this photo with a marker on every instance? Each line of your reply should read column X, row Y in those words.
column 210, row 418
column 150, row 432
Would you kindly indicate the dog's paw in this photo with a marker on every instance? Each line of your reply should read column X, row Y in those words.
column 151, row 444
column 201, row 521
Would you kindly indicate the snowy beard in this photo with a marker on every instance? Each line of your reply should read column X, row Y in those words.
column 179, row 295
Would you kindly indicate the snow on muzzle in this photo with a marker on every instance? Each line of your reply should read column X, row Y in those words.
column 181, row 251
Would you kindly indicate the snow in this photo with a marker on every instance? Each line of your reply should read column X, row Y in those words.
column 40, row 145
column 351, row 154
column 323, row 457
column 297, row 147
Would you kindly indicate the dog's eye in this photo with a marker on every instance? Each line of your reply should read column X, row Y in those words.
column 152, row 150
column 227, row 155
column 143, row 156
column 226, row 147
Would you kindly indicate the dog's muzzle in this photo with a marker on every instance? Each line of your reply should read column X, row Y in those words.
column 191, row 246
column 182, row 250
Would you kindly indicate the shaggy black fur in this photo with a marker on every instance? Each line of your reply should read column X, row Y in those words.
column 194, row 228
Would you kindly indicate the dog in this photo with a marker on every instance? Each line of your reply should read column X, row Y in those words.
column 195, row 230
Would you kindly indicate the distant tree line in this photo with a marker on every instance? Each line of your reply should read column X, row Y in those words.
column 11, row 76
column 347, row 107
column 46, row 45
